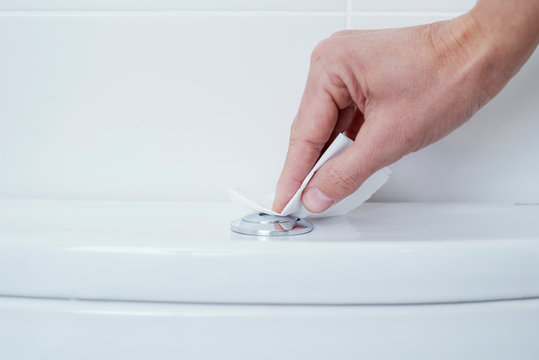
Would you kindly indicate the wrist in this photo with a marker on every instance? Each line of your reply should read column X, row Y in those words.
column 483, row 51
column 468, row 58
column 505, row 34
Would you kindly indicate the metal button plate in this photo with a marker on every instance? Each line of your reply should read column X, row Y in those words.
column 261, row 224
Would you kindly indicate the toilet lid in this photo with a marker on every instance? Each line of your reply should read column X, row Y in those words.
column 382, row 253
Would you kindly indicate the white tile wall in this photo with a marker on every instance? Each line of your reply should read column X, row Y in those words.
column 313, row 5
column 183, row 105
column 165, row 107
column 413, row 5
column 395, row 20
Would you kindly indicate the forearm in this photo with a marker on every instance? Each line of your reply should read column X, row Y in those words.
column 509, row 32
column 514, row 24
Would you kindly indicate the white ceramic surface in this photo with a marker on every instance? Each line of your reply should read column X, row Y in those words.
column 185, row 252
column 314, row 5
column 62, row 330
column 412, row 5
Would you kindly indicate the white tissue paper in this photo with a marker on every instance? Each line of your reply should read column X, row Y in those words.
column 295, row 206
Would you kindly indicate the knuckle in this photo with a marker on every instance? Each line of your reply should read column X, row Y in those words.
column 331, row 61
column 410, row 142
column 397, row 137
column 304, row 136
column 296, row 135
column 383, row 148
column 342, row 33
column 328, row 50
column 341, row 181
column 293, row 131
column 374, row 163
column 407, row 137
column 321, row 51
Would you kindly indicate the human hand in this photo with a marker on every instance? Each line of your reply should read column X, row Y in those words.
column 394, row 92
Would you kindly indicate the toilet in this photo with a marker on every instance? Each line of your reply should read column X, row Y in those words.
column 170, row 280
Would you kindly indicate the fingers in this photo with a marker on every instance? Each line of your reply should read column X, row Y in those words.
column 344, row 122
column 310, row 132
column 324, row 96
column 357, row 121
column 343, row 174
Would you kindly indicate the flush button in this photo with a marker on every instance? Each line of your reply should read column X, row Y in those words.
column 261, row 224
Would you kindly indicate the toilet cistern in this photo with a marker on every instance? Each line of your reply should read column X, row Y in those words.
column 261, row 224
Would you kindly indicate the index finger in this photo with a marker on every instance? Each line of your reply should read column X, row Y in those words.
column 312, row 127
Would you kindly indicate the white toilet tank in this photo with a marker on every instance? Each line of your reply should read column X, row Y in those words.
column 169, row 280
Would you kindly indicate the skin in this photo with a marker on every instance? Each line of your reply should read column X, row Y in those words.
column 399, row 90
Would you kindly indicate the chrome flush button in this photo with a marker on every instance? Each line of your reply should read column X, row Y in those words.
column 261, row 224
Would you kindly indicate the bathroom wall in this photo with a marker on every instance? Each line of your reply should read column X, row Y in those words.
column 182, row 99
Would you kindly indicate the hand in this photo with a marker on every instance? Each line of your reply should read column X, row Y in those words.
column 394, row 92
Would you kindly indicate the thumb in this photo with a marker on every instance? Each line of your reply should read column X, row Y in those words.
column 341, row 175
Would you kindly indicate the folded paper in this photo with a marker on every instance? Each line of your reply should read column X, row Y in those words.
column 295, row 206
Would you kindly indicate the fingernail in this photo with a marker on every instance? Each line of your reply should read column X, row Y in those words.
column 316, row 201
